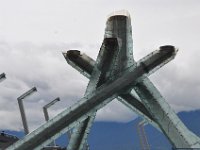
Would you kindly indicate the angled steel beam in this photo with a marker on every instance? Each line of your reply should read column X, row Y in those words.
column 183, row 134
column 142, row 135
column 102, row 66
column 89, row 104
column 176, row 141
column 118, row 25
column 78, row 61
column 81, row 132
column 21, row 107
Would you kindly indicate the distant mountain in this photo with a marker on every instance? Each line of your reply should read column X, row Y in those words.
column 124, row 136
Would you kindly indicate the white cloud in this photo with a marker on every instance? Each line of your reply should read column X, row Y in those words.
column 27, row 65
column 115, row 111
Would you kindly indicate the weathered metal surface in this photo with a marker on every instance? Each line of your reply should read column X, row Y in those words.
column 98, row 77
column 80, row 111
column 182, row 137
column 165, row 117
column 116, row 77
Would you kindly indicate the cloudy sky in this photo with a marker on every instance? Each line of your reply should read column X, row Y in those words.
column 34, row 33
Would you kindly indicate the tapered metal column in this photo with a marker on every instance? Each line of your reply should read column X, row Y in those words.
column 85, row 65
column 165, row 117
column 21, row 107
column 90, row 103
column 103, row 65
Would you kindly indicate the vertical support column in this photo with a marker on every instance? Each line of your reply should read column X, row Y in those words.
column 21, row 108
column 23, row 115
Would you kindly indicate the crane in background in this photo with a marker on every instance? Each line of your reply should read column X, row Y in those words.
column 142, row 135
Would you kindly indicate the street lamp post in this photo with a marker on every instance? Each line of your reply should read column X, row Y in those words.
column 21, row 107
column 46, row 115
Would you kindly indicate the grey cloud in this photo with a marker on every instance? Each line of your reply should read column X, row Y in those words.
column 27, row 65
column 179, row 81
column 40, row 62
